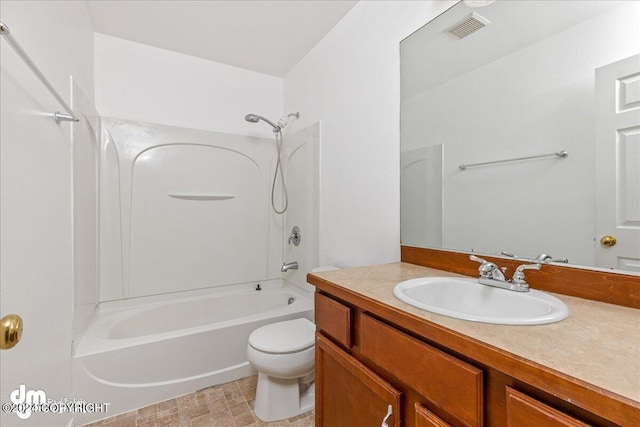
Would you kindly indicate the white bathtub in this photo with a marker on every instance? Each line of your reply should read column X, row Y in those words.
column 141, row 351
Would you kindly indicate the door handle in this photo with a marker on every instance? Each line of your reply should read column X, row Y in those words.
column 10, row 331
column 608, row 240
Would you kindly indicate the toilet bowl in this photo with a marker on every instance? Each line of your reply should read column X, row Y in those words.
column 283, row 355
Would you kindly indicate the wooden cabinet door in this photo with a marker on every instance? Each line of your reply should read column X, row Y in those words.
column 350, row 394
column 453, row 386
column 525, row 411
column 426, row 418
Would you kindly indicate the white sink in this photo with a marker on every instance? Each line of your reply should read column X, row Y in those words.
column 466, row 299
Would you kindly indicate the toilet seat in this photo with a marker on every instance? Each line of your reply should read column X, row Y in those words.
column 289, row 336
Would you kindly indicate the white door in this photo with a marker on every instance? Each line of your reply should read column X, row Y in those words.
column 35, row 241
column 617, row 154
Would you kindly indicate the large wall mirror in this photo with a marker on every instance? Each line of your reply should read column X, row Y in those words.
column 545, row 95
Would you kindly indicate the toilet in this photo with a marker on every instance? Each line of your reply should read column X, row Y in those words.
column 283, row 355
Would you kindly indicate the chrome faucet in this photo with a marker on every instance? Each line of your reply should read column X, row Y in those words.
column 492, row 275
column 489, row 270
column 289, row 266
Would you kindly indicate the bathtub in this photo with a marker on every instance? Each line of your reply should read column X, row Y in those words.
column 137, row 352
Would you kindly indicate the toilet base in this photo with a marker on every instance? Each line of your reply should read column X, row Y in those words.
column 280, row 398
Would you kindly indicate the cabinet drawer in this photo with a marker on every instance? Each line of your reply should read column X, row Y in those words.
column 334, row 319
column 525, row 411
column 448, row 383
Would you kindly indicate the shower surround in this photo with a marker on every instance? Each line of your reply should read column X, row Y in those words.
column 186, row 233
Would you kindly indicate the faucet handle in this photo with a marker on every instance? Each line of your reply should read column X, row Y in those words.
column 518, row 275
column 477, row 259
column 295, row 236
column 486, row 268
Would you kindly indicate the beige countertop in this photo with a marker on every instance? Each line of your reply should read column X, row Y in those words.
column 599, row 343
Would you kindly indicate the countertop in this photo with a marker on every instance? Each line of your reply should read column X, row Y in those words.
column 598, row 344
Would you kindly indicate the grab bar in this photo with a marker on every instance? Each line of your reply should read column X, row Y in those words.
column 58, row 116
column 561, row 153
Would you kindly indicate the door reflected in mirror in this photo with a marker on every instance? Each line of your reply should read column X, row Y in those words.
column 536, row 78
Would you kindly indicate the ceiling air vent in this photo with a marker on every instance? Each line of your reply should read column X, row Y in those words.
column 469, row 25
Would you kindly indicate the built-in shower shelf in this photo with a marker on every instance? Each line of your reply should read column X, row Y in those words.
column 202, row 196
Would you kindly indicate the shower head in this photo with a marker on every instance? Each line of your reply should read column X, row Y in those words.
column 254, row 118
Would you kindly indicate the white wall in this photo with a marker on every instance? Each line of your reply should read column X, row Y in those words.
column 350, row 82
column 144, row 83
column 36, row 272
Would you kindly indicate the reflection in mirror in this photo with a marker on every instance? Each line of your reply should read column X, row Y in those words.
column 421, row 196
column 537, row 77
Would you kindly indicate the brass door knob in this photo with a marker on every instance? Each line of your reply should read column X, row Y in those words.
column 608, row 240
column 10, row 331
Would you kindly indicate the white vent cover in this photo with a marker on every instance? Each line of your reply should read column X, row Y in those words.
column 467, row 26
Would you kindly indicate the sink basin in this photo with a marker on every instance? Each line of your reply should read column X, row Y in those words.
column 466, row 299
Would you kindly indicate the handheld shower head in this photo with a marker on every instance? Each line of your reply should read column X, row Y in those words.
column 254, row 118
column 277, row 130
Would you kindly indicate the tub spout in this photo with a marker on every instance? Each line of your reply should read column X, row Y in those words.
column 289, row 266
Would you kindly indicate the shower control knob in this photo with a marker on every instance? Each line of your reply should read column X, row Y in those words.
column 295, row 236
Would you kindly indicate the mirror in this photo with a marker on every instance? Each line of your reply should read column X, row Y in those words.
column 522, row 83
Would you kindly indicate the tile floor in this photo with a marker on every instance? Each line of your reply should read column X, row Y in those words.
column 226, row 405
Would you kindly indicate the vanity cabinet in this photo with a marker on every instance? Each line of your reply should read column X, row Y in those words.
column 369, row 356
column 361, row 370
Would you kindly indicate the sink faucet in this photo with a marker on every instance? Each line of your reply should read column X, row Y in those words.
column 489, row 270
column 289, row 266
column 492, row 275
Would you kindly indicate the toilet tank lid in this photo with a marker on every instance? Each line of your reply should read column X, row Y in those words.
column 284, row 337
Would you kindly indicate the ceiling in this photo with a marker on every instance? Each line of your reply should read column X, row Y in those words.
column 266, row 36
column 430, row 57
